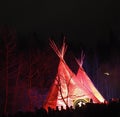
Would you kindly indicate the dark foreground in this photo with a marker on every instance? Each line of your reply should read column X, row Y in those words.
column 111, row 109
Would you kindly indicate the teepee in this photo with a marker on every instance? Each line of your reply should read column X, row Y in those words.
column 59, row 91
column 66, row 88
column 87, row 83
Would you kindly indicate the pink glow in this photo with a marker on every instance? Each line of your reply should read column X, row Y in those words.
column 68, row 87
column 87, row 83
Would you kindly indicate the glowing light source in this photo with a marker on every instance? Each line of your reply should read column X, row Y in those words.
column 106, row 73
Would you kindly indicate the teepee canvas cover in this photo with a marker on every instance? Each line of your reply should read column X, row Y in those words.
column 66, row 87
column 87, row 83
column 58, row 94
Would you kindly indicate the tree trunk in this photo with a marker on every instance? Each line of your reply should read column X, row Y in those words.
column 6, row 83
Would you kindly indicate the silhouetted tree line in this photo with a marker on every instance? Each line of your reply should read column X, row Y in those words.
column 23, row 70
column 111, row 108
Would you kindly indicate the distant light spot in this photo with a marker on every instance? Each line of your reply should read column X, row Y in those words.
column 106, row 73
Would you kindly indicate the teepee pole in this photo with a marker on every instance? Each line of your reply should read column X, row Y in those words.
column 60, row 89
column 60, row 53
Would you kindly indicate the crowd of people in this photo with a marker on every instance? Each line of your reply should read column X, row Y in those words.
column 112, row 109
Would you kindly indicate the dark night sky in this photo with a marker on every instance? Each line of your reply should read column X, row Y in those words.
column 84, row 20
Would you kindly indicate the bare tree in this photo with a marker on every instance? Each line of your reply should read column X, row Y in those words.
column 9, row 39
